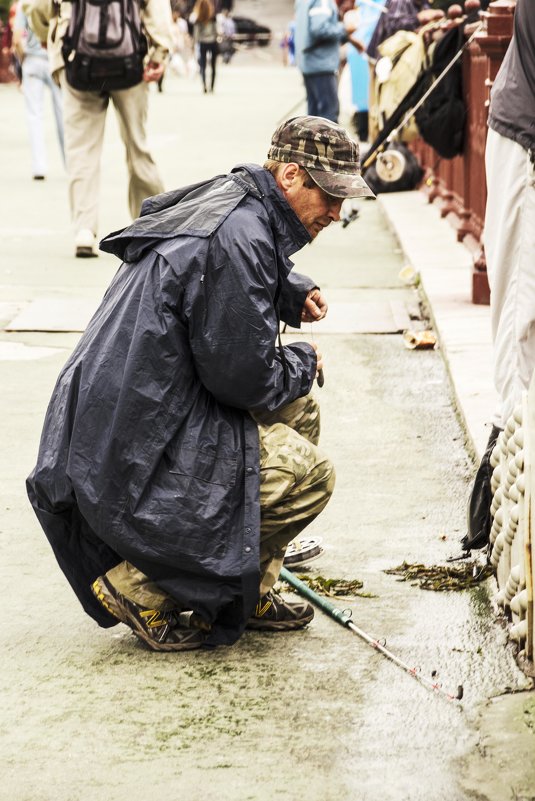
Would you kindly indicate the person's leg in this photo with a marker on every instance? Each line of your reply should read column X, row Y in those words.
column 135, row 586
column 213, row 61
column 310, row 87
column 203, row 50
column 159, row 625
column 296, row 483
column 509, row 247
column 131, row 106
column 328, row 105
column 84, row 119
column 57, row 104
column 33, row 89
column 303, row 415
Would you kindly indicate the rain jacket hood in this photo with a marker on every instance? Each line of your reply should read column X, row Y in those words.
column 149, row 452
column 198, row 209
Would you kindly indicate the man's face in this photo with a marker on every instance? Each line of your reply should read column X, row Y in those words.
column 314, row 207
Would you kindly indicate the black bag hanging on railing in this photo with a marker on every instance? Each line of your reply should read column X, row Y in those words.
column 442, row 118
column 479, row 516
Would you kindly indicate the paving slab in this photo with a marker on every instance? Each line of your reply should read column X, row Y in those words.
column 55, row 315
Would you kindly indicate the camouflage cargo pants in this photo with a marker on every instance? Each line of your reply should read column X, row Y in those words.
column 296, row 482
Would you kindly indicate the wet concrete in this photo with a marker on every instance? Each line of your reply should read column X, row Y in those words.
column 314, row 714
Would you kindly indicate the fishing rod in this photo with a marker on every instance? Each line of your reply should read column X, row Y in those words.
column 343, row 616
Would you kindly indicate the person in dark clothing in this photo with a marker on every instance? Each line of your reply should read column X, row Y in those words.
column 401, row 15
column 509, row 238
column 179, row 452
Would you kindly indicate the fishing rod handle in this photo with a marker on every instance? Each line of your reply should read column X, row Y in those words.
column 340, row 615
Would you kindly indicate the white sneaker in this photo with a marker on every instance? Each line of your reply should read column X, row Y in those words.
column 85, row 243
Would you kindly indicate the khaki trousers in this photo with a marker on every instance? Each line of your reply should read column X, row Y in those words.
column 84, row 117
column 509, row 239
column 296, row 482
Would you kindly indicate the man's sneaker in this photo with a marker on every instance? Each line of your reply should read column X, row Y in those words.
column 85, row 243
column 161, row 631
column 273, row 613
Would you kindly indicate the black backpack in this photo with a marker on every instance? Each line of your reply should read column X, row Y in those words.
column 442, row 118
column 104, row 46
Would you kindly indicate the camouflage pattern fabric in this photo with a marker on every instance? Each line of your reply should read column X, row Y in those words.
column 325, row 150
column 135, row 586
column 296, row 482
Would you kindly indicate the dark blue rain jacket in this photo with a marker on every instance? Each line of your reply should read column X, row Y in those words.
column 148, row 451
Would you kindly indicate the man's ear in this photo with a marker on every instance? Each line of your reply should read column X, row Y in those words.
column 287, row 176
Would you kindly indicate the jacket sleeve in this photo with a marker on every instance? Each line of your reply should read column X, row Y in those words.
column 292, row 298
column 323, row 23
column 158, row 24
column 233, row 325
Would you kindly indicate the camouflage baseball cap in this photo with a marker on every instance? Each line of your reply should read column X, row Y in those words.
column 325, row 150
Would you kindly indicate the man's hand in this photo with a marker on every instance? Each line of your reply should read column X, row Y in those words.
column 351, row 21
column 153, row 71
column 315, row 307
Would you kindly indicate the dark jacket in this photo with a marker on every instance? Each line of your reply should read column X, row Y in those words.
column 512, row 97
column 148, row 451
column 401, row 15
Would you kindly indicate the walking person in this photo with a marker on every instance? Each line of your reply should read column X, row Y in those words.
column 180, row 454
column 36, row 80
column 85, row 109
column 509, row 238
column 318, row 36
column 203, row 19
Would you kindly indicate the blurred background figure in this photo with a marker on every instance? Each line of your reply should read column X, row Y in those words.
column 369, row 12
column 36, row 79
column 319, row 32
column 203, row 19
column 182, row 60
column 401, row 15
column 288, row 45
column 226, row 28
column 85, row 105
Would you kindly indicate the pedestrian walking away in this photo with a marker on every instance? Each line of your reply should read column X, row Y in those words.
column 91, row 80
column 203, row 19
column 36, row 79
column 179, row 454
column 318, row 36
column 509, row 239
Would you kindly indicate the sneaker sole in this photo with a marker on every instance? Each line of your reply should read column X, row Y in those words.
column 275, row 625
column 162, row 646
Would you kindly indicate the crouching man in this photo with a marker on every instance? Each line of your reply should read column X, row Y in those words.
column 179, row 453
